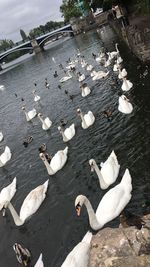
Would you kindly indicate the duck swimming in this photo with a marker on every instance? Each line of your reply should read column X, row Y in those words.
column 46, row 84
column 23, row 255
column 27, row 141
column 42, row 148
column 55, row 74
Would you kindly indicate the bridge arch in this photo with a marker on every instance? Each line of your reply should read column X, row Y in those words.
column 15, row 50
column 47, row 37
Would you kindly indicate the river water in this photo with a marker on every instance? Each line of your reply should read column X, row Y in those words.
column 55, row 229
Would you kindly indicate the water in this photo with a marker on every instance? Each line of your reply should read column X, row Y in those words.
column 55, row 229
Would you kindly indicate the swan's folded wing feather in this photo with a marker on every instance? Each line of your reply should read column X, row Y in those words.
column 78, row 257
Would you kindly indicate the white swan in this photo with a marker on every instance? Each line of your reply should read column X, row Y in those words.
column 107, row 63
column 30, row 114
column 93, row 73
column 99, row 75
column 109, row 170
column 81, row 77
column 122, row 73
column 89, row 67
column 85, row 90
column 46, row 123
column 30, row 205
column 71, row 66
column 83, row 63
column 68, row 133
column 110, row 206
column 124, row 105
column 100, row 57
column 79, row 256
column 39, row 262
column 2, row 87
column 119, row 60
column 36, row 97
column 87, row 119
column 57, row 162
column 127, row 85
column 1, row 137
column 66, row 78
column 114, row 53
column 116, row 67
column 7, row 193
column 5, row 156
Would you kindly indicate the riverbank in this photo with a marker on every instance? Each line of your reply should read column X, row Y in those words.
column 136, row 34
column 121, row 247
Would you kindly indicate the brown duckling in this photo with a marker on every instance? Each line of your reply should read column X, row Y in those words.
column 129, row 219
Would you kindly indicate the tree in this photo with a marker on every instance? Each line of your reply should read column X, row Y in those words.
column 5, row 44
column 69, row 9
column 23, row 35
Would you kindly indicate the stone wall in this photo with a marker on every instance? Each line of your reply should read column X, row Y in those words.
column 136, row 37
column 121, row 247
column 80, row 25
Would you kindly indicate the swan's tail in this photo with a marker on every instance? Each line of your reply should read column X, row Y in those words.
column 39, row 262
column 13, row 186
column 127, row 180
column 66, row 150
column 87, row 238
column 8, row 152
column 45, row 186
column 113, row 155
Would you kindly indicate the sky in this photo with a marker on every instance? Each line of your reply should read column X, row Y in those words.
column 26, row 15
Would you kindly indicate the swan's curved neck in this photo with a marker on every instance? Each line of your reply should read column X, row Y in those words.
column 92, row 217
column 117, row 48
column 103, row 185
column 27, row 116
column 15, row 215
column 63, row 135
column 82, row 118
column 48, row 167
column 41, row 119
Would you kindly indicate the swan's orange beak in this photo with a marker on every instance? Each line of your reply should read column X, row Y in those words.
column 78, row 211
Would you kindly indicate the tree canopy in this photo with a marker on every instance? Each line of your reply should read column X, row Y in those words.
column 49, row 26
column 70, row 9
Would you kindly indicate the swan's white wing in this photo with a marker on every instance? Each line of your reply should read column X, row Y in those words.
column 1, row 136
column 33, row 201
column 5, row 156
column 110, row 169
column 39, row 263
column 125, row 106
column 7, row 193
column 58, row 160
column 48, row 122
column 32, row 113
column 89, row 118
column 115, row 200
column 78, row 257
column 70, row 131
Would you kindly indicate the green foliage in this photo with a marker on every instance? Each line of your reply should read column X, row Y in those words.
column 42, row 29
column 6, row 44
column 69, row 9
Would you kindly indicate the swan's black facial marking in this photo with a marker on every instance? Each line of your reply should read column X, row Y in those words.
column 78, row 209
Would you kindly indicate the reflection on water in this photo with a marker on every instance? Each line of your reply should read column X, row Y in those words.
column 55, row 229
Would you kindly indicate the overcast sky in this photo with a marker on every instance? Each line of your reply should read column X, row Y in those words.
column 26, row 14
